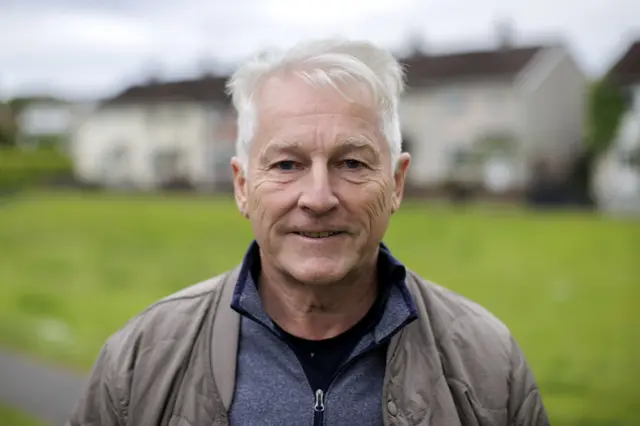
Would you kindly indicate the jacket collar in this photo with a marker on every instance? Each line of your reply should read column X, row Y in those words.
column 399, row 310
column 396, row 306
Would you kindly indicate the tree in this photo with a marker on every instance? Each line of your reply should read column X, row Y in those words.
column 605, row 107
column 606, row 104
column 7, row 126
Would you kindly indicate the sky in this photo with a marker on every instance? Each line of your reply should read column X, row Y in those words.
column 91, row 49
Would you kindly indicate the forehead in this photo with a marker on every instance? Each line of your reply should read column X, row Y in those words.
column 291, row 108
column 291, row 95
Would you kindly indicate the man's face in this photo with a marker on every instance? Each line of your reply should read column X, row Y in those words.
column 319, row 188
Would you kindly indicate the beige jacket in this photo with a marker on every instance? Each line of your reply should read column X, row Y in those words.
column 174, row 365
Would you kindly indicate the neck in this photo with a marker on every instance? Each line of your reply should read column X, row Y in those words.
column 316, row 312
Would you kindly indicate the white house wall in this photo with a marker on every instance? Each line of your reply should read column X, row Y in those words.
column 440, row 119
column 553, row 98
column 103, row 131
column 145, row 130
column 184, row 127
column 616, row 183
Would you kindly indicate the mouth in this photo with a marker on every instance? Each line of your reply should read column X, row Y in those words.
column 319, row 235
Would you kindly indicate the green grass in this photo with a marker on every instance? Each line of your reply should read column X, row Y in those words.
column 11, row 417
column 74, row 268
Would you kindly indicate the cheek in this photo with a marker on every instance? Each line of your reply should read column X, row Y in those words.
column 379, row 207
column 267, row 203
column 371, row 201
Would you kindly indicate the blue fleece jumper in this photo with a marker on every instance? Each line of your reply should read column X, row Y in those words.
column 271, row 385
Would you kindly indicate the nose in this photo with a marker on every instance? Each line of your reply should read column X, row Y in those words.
column 317, row 196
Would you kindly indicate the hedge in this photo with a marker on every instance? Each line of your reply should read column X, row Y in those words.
column 23, row 168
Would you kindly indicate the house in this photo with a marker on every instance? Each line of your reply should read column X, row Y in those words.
column 617, row 175
column 492, row 121
column 485, row 120
column 159, row 135
column 44, row 121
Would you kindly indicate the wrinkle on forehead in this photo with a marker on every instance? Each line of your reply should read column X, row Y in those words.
column 342, row 145
column 281, row 95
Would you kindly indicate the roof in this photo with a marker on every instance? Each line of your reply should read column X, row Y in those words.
column 207, row 89
column 507, row 62
column 627, row 69
column 422, row 69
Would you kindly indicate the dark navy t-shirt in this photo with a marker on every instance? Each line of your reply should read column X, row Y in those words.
column 322, row 359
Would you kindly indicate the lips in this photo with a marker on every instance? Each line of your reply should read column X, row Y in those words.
column 322, row 234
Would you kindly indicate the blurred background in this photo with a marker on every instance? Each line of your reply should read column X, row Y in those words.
column 522, row 119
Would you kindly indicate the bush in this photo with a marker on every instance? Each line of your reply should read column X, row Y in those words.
column 6, row 137
column 21, row 168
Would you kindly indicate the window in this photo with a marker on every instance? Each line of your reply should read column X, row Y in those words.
column 167, row 165
column 496, row 143
column 115, row 168
column 631, row 158
column 222, row 160
column 463, row 165
column 461, row 157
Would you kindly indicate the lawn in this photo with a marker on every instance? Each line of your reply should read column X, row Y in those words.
column 74, row 268
column 11, row 417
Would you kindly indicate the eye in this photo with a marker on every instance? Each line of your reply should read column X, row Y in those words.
column 353, row 164
column 286, row 165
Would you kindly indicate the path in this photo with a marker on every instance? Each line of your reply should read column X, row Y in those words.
column 41, row 391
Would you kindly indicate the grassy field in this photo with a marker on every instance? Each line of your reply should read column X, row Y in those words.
column 74, row 268
column 11, row 417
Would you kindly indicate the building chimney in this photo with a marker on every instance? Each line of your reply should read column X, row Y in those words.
column 152, row 71
column 207, row 66
column 505, row 34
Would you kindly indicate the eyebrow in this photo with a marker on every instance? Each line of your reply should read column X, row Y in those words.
column 356, row 144
column 342, row 147
column 276, row 146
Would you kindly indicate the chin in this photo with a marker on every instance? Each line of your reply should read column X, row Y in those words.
column 317, row 271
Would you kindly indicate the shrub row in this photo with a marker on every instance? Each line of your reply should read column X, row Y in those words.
column 23, row 168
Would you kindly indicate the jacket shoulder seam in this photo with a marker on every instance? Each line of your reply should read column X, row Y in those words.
column 505, row 334
column 177, row 299
column 170, row 299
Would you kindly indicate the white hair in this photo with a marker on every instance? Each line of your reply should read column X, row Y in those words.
column 322, row 63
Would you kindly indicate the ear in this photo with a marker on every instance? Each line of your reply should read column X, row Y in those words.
column 239, row 186
column 399, row 177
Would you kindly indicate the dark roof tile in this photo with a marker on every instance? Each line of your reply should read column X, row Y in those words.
column 207, row 89
column 423, row 69
column 627, row 69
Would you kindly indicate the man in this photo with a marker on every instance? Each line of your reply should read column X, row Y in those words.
column 319, row 324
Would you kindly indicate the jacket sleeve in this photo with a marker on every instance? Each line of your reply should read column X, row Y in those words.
column 100, row 404
column 525, row 402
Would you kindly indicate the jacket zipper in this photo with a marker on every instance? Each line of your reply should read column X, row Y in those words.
column 319, row 405
column 319, row 396
column 318, row 408
column 318, row 402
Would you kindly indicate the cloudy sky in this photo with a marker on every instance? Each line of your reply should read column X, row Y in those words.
column 94, row 48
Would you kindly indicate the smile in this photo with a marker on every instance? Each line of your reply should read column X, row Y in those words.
column 319, row 234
